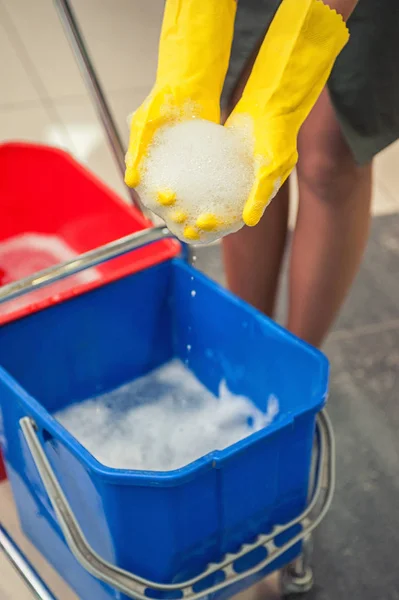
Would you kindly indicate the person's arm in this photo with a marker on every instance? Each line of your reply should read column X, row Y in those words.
column 292, row 67
column 343, row 7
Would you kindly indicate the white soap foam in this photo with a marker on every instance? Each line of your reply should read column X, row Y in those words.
column 209, row 167
column 163, row 421
column 27, row 253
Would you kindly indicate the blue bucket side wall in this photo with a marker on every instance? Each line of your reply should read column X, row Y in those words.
column 88, row 348
column 36, row 515
column 77, row 482
column 91, row 343
column 234, row 342
column 265, row 482
column 47, row 539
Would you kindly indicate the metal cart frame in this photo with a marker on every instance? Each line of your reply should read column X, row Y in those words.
column 297, row 577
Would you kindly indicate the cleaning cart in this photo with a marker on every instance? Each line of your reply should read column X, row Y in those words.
column 211, row 528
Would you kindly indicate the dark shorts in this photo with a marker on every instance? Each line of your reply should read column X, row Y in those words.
column 364, row 84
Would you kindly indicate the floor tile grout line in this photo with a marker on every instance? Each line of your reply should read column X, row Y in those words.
column 66, row 100
column 369, row 329
column 112, row 91
column 20, row 106
column 31, row 72
column 386, row 190
column 21, row 51
column 47, row 102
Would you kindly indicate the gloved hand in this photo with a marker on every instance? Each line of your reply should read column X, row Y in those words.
column 194, row 53
column 289, row 74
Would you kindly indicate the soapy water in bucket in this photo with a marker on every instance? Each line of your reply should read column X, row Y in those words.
column 195, row 168
column 163, row 421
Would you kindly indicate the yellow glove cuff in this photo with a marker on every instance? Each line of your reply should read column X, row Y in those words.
column 194, row 52
column 292, row 67
column 295, row 60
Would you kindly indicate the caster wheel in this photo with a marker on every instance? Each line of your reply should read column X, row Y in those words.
column 297, row 577
column 294, row 584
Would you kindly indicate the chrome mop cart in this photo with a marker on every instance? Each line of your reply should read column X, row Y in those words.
column 48, row 469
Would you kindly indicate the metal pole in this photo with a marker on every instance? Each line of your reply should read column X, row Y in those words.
column 92, row 82
column 79, row 48
column 82, row 262
column 24, row 568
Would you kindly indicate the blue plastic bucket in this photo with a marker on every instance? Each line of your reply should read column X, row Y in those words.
column 162, row 526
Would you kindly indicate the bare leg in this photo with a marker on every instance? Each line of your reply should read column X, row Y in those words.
column 332, row 225
column 253, row 256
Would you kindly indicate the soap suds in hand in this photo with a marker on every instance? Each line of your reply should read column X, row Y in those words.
column 163, row 421
column 209, row 168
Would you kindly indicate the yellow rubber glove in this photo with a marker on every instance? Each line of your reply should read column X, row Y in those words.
column 289, row 74
column 194, row 52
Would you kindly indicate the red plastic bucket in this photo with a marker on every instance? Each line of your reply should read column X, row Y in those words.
column 51, row 209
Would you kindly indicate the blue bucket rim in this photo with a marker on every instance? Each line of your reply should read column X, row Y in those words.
column 212, row 460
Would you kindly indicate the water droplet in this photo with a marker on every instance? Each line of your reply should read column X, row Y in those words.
column 193, row 293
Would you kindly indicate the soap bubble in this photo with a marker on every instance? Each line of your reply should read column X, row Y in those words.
column 208, row 170
column 163, row 420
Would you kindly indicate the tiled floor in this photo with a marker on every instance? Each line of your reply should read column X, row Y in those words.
column 43, row 99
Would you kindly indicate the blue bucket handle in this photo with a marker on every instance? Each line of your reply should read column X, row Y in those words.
column 137, row 587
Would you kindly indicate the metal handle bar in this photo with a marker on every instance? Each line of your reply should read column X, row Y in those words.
column 135, row 586
column 24, row 568
column 83, row 261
